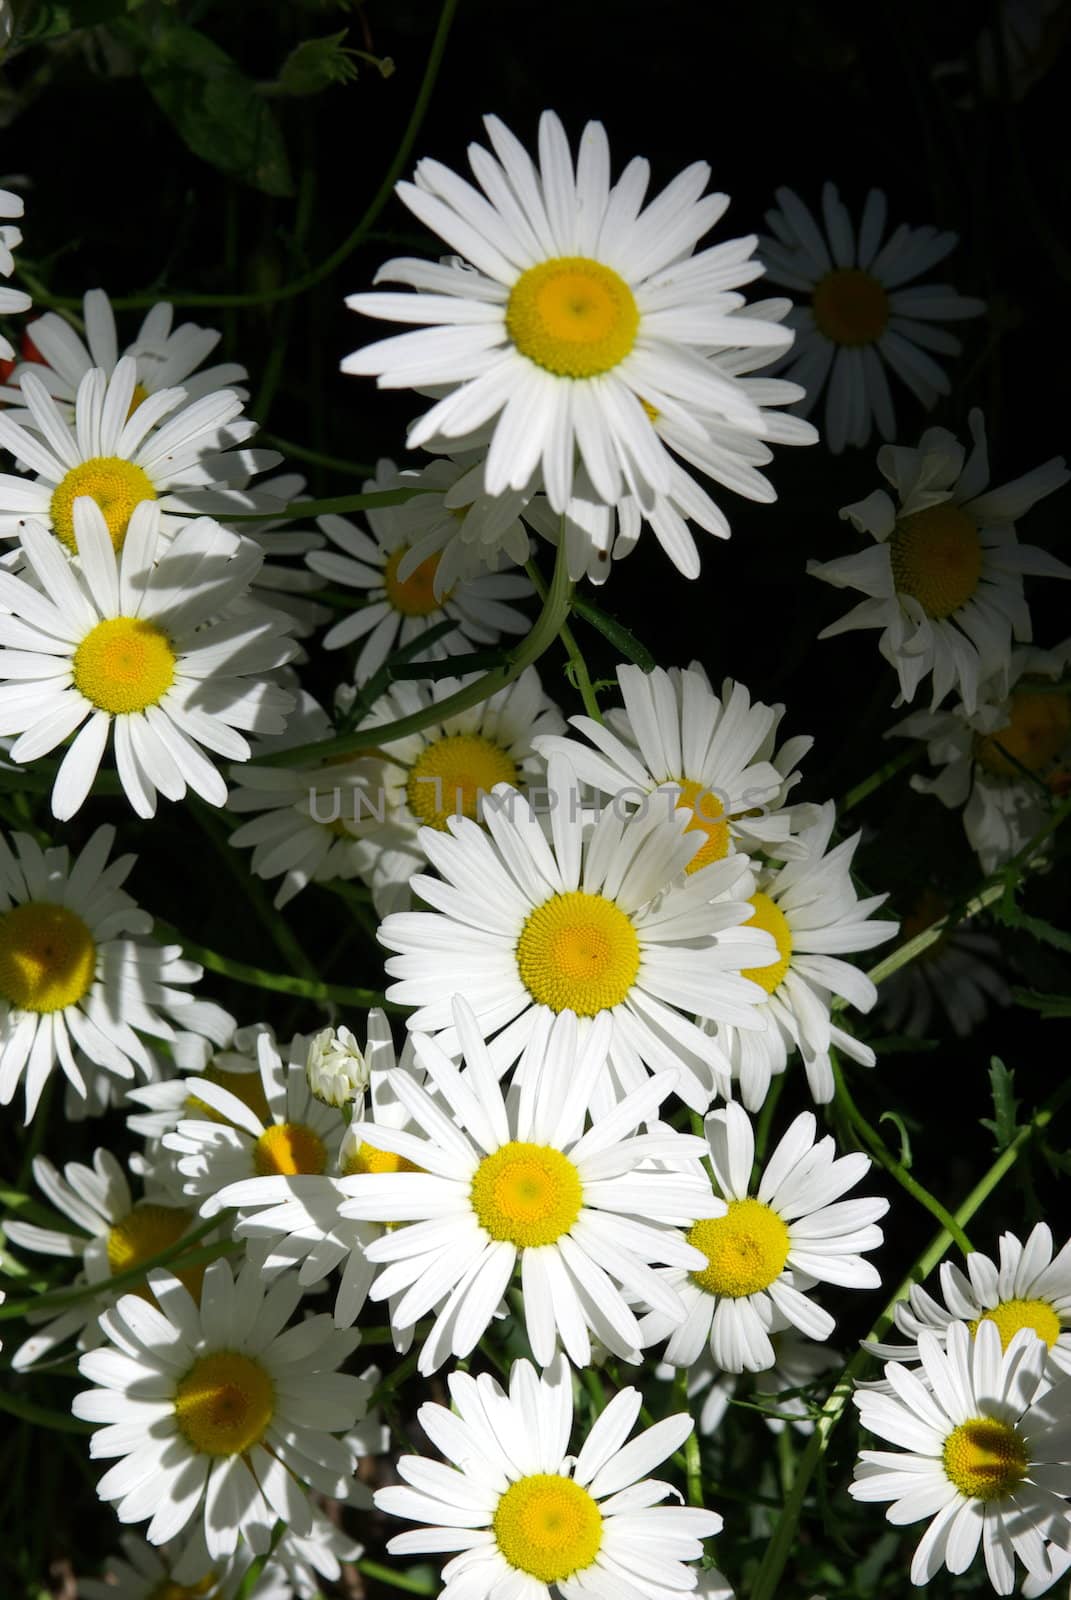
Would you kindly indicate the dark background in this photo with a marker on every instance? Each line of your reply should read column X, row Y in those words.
column 775, row 93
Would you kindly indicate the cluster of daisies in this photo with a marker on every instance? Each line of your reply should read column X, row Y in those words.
column 610, row 935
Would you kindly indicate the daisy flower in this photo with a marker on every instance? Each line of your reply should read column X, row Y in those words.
column 863, row 312
column 1005, row 763
column 335, row 1067
column 944, row 579
column 122, row 458
column 215, row 1414
column 533, row 1520
column 400, row 601
column 299, row 1564
column 139, row 646
column 811, row 911
column 12, row 301
column 521, row 1184
column 182, row 1569
column 456, row 524
column 448, row 769
column 115, row 1234
column 77, row 968
column 1028, row 1288
column 958, row 976
column 168, row 1100
column 166, row 357
column 713, row 756
column 597, row 920
column 568, row 313
column 982, row 1453
column 773, row 1246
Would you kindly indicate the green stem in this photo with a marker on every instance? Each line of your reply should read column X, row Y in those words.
column 41, row 1416
column 581, row 676
column 543, row 633
column 298, row 510
column 693, row 1466
column 178, row 1253
column 316, row 458
column 862, row 791
column 277, row 982
column 397, row 1580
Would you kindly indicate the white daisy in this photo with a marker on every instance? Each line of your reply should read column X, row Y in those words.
column 568, row 314
column 983, row 1453
column 448, row 769
column 772, row 1247
column 77, row 968
column 1028, row 1289
column 115, row 1234
column 12, row 301
column 182, row 1569
column 298, row 1564
column 143, row 647
column 810, row 909
column 862, row 312
column 959, row 976
column 166, row 356
column 676, row 741
column 122, row 458
column 530, row 1519
column 1006, row 762
column 597, row 920
column 217, row 1414
column 944, row 578
column 458, row 526
column 184, row 1051
column 521, row 1184
column 401, row 603
column 168, row 1100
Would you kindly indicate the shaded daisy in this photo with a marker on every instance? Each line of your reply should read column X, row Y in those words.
column 12, row 301
column 279, row 582
column 959, row 977
column 771, row 1247
column 456, row 524
column 862, row 313
column 529, row 1518
column 182, row 1569
column 402, row 603
column 945, row 578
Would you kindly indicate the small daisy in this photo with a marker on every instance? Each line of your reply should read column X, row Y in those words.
column 597, row 920
column 141, row 645
column 227, row 1140
column 400, row 599
column 218, row 1415
column 794, row 1232
column 458, row 525
column 448, row 769
column 1007, row 762
column 860, row 317
column 121, row 459
column 1028, row 1289
column 568, row 313
column 182, row 1569
column 12, row 301
column 982, row 1453
column 77, row 968
column 811, row 911
column 168, row 1100
column 166, row 356
column 521, row 1185
column 944, row 579
column 115, row 1235
column 298, row 1564
column 532, row 1520
column 959, row 976
column 717, row 755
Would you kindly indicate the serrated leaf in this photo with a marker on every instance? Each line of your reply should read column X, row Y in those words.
column 315, row 64
column 1007, row 911
column 215, row 109
column 622, row 638
column 1049, row 1005
column 1003, row 1126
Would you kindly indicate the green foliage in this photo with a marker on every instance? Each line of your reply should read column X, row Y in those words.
column 316, row 64
column 38, row 22
column 622, row 638
column 1007, row 911
column 1049, row 1005
column 905, row 1138
column 1003, row 1125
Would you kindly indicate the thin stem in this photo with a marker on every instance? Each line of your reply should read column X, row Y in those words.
column 862, row 791
column 316, row 458
column 397, row 1580
column 298, row 510
column 581, row 676
column 276, row 982
column 178, row 1253
column 693, row 1466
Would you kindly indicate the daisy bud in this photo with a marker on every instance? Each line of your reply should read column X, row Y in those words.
column 336, row 1070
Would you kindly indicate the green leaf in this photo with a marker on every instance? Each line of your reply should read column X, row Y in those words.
column 1004, row 1125
column 315, row 64
column 1009, row 913
column 1049, row 1005
column 213, row 106
column 53, row 21
column 905, row 1138
column 622, row 638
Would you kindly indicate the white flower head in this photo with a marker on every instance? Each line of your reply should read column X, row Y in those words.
column 178, row 1570
column 529, row 1518
column 335, row 1067
column 959, row 976
column 944, row 578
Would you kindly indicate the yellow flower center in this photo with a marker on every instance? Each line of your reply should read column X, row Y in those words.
column 287, row 1148
column 984, row 1458
column 368, row 1158
column 124, row 665
column 745, row 1250
column 578, row 952
column 572, row 316
column 245, row 1086
column 770, row 918
column 1011, row 1315
column 416, row 596
column 224, row 1403
column 184, row 1591
column 708, row 816
column 1039, row 729
column 936, row 559
column 142, row 1234
column 453, row 774
column 529, row 1194
column 850, row 306
column 116, row 485
column 48, row 959
column 548, row 1526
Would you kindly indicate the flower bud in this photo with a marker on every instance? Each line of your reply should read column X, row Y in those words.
column 336, row 1069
